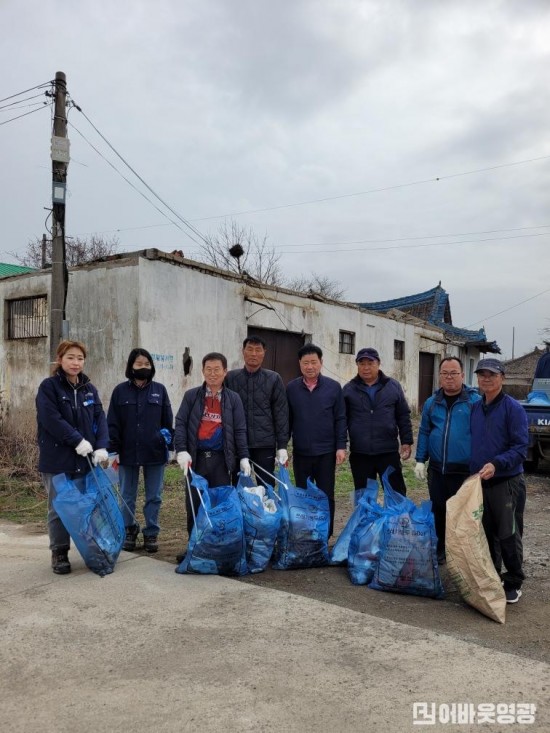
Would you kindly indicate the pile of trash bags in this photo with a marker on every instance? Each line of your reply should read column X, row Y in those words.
column 391, row 547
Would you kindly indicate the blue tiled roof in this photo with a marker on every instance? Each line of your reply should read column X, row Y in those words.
column 434, row 307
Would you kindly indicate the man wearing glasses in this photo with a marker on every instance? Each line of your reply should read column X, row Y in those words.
column 210, row 432
column 500, row 437
column 444, row 439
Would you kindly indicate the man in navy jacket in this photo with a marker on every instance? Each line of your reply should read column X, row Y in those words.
column 317, row 424
column 500, row 436
column 378, row 415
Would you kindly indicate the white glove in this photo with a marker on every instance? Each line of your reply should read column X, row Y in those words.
column 245, row 467
column 420, row 471
column 282, row 457
column 100, row 456
column 184, row 461
column 83, row 448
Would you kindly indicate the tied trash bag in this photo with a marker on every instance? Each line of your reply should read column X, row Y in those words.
column 408, row 549
column 217, row 545
column 262, row 515
column 361, row 500
column 89, row 510
column 365, row 544
column 302, row 541
column 468, row 557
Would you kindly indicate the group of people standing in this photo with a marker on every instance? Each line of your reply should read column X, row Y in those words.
column 245, row 417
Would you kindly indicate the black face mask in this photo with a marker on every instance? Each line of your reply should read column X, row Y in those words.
column 144, row 373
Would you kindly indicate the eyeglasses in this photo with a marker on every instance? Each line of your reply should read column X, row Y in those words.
column 213, row 370
column 487, row 375
column 450, row 374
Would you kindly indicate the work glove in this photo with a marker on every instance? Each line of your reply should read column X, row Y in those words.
column 420, row 471
column 100, row 456
column 282, row 457
column 245, row 467
column 184, row 461
column 84, row 448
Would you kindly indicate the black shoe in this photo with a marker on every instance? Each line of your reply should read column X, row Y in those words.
column 131, row 537
column 60, row 562
column 441, row 558
column 180, row 557
column 150, row 543
column 513, row 595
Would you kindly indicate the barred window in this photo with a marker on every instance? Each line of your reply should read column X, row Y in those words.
column 398, row 350
column 28, row 317
column 346, row 342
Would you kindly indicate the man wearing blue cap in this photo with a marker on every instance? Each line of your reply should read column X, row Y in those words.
column 378, row 415
column 499, row 446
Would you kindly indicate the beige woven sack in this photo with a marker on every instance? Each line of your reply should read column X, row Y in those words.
column 468, row 558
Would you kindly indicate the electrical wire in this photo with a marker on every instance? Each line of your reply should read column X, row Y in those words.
column 24, row 115
column 38, row 86
column 516, row 305
column 377, row 190
column 36, row 105
column 20, row 101
column 184, row 221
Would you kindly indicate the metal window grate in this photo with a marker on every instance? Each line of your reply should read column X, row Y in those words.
column 398, row 350
column 346, row 342
column 28, row 317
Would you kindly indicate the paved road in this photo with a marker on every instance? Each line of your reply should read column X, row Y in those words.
column 145, row 649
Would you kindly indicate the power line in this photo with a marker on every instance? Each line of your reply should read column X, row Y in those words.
column 188, row 224
column 24, row 115
column 20, row 101
column 516, row 305
column 38, row 86
column 420, row 182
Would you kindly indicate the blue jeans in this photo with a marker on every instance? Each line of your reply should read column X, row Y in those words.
column 153, row 477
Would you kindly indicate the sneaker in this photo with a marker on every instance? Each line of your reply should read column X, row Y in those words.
column 150, row 543
column 60, row 562
column 131, row 537
column 513, row 595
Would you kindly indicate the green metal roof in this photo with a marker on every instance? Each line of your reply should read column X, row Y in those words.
column 8, row 270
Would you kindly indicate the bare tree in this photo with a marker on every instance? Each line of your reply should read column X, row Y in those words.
column 240, row 250
column 78, row 250
column 317, row 285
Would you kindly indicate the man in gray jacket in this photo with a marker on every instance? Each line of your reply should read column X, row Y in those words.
column 264, row 399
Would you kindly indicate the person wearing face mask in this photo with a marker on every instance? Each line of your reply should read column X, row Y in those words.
column 140, row 423
column 72, row 429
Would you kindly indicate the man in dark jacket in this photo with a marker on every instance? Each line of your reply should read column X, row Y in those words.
column 377, row 415
column 444, row 438
column 500, row 436
column 264, row 399
column 210, row 432
column 317, row 425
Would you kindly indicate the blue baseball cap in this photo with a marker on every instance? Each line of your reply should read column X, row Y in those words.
column 368, row 353
column 490, row 365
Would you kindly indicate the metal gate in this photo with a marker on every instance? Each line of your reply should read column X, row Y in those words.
column 282, row 351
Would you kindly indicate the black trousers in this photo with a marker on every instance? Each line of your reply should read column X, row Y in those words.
column 441, row 487
column 265, row 458
column 518, row 515
column 320, row 470
column 211, row 466
column 499, row 522
column 364, row 466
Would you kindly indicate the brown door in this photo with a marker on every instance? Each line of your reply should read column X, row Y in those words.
column 282, row 351
column 426, row 364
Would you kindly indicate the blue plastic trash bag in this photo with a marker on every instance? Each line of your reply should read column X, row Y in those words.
column 262, row 519
column 302, row 541
column 217, row 545
column 408, row 548
column 365, row 544
column 89, row 510
column 361, row 499
column 408, row 554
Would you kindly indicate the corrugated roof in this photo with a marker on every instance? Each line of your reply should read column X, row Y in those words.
column 434, row 307
column 8, row 270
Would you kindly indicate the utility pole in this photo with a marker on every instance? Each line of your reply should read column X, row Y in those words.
column 60, row 161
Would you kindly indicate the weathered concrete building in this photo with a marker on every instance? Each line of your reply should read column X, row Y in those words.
column 180, row 310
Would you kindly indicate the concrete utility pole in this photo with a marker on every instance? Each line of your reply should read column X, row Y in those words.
column 60, row 160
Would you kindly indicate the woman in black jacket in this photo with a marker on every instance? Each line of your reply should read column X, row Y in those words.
column 71, row 426
column 140, row 429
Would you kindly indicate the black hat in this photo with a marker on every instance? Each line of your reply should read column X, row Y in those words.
column 369, row 353
column 490, row 365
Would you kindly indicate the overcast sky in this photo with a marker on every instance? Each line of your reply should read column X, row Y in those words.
column 227, row 106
